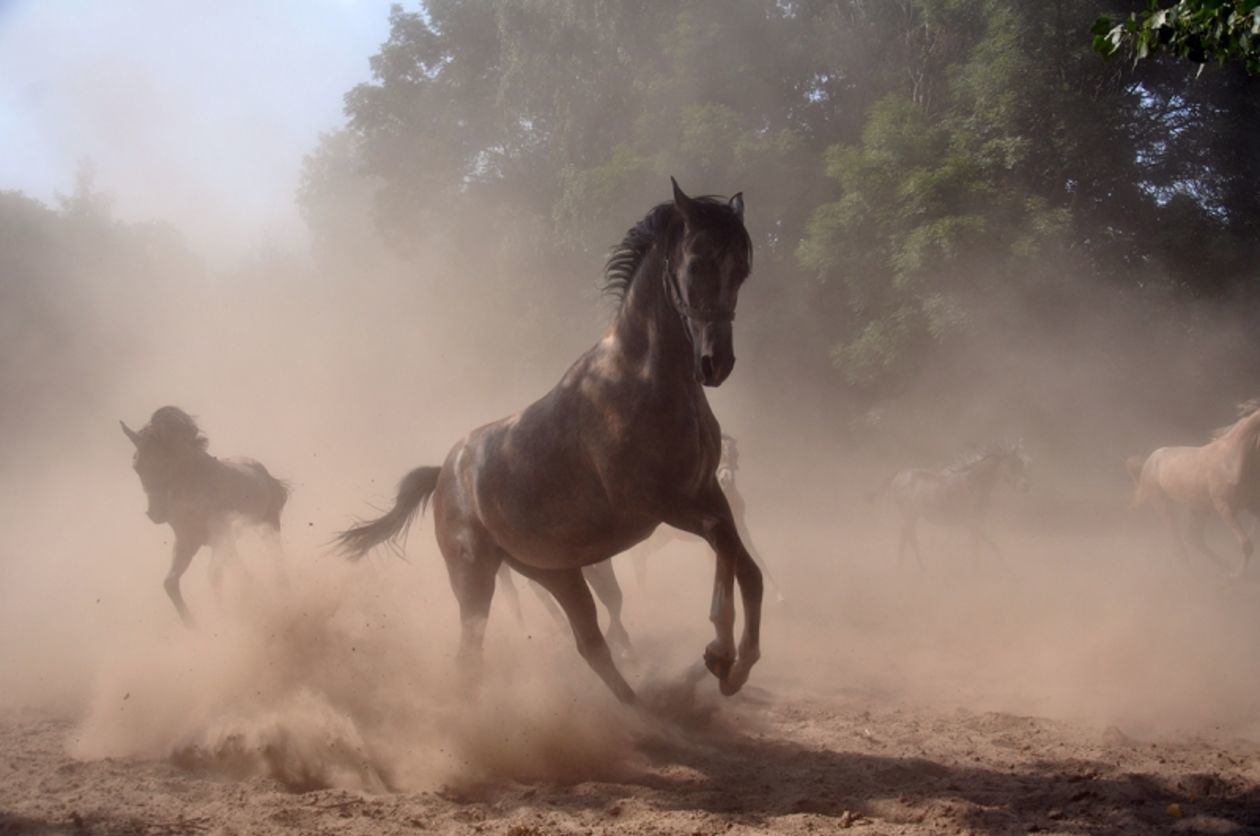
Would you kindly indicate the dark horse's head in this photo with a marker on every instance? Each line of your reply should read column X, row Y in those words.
column 704, row 270
column 704, row 255
column 162, row 447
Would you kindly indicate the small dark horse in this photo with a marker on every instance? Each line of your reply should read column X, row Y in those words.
column 626, row 441
column 958, row 495
column 199, row 495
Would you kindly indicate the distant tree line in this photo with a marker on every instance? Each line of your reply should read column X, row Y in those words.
column 902, row 161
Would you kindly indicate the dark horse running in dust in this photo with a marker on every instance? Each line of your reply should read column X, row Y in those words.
column 199, row 495
column 624, row 442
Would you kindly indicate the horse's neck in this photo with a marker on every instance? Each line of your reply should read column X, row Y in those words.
column 648, row 331
column 192, row 468
column 1246, row 433
column 982, row 476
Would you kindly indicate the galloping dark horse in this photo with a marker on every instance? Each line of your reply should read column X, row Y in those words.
column 199, row 495
column 626, row 441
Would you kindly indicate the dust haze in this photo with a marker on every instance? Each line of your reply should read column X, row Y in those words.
column 343, row 366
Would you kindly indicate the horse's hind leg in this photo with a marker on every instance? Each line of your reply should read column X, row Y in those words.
column 603, row 580
column 574, row 596
column 1227, row 514
column 1195, row 533
column 509, row 592
column 472, row 575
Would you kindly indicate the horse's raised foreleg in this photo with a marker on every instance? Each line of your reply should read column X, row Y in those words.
column 574, row 597
column 181, row 555
column 712, row 520
column 1227, row 514
column 275, row 544
column 603, row 580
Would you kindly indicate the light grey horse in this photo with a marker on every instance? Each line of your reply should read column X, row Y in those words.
column 199, row 496
column 959, row 495
column 1221, row 477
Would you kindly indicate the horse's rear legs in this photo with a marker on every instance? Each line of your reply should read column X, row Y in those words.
column 472, row 581
column 1244, row 542
column 574, row 597
column 603, row 580
column 909, row 537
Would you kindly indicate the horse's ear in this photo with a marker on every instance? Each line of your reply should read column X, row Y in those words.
column 737, row 205
column 132, row 434
column 684, row 204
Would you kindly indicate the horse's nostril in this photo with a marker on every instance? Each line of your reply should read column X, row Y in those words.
column 706, row 367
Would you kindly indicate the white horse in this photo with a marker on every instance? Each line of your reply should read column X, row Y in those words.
column 1221, row 477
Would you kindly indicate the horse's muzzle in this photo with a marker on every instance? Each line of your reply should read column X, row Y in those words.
column 712, row 372
column 155, row 515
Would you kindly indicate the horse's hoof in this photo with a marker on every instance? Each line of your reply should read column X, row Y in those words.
column 718, row 665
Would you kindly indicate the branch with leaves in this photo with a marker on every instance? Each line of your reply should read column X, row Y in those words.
column 1196, row 30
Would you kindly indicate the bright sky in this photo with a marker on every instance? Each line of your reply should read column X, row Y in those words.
column 190, row 111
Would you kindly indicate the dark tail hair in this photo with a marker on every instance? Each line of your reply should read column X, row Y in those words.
column 414, row 492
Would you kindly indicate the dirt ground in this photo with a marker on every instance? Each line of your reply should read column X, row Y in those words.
column 1033, row 700
column 788, row 763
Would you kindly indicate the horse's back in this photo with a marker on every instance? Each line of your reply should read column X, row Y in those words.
column 1182, row 474
column 246, row 487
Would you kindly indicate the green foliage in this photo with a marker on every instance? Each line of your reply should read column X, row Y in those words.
column 1196, row 30
column 902, row 162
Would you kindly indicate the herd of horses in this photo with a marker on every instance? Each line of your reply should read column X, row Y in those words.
column 624, row 443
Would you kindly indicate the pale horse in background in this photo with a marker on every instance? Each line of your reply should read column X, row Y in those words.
column 959, row 495
column 1221, row 477
column 728, row 465
column 200, row 496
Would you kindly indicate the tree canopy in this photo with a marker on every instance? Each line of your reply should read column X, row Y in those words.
column 904, row 162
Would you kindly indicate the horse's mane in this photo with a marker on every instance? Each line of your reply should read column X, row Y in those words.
column 973, row 457
column 625, row 258
column 1246, row 411
column 173, row 425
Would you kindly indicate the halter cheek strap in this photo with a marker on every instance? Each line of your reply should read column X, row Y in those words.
column 688, row 311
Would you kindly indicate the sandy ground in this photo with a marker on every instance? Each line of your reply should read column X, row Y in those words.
column 790, row 763
column 1074, row 691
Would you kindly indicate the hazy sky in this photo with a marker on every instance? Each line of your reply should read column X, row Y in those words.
column 190, row 111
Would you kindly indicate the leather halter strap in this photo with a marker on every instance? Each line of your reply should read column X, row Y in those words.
column 688, row 311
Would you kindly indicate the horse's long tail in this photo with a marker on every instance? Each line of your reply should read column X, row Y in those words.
column 871, row 496
column 414, row 492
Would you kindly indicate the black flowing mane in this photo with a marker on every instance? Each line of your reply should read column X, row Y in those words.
column 625, row 258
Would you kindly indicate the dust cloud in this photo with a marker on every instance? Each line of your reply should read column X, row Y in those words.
column 322, row 673
column 341, row 372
